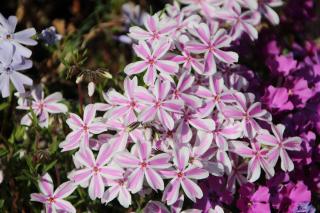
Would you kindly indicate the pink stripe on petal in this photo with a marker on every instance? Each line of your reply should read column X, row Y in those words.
column 135, row 68
column 172, row 105
column 111, row 172
column 81, row 176
column 38, row 197
column 154, row 180
column 191, row 189
column 160, row 161
column 171, row 192
column 169, row 67
column 226, row 56
column 89, row 113
column 196, row 173
column 65, row 189
column 96, row 187
column 126, row 160
column 165, row 119
column 64, row 206
column 46, row 184
column 135, row 180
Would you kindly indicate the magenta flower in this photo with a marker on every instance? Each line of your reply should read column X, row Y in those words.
column 254, row 201
column 211, row 43
column 158, row 104
column 124, row 105
column 10, row 68
column 144, row 166
column 247, row 112
column 42, row 106
column 280, row 145
column 54, row 200
column 82, row 129
column 18, row 39
column 277, row 99
column 258, row 159
column 157, row 30
column 182, row 175
column 152, row 61
column 118, row 188
column 95, row 169
column 241, row 22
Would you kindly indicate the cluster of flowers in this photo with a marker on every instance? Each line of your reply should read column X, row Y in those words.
column 14, row 56
column 190, row 131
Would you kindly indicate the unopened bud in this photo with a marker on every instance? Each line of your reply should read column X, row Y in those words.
column 91, row 88
column 79, row 79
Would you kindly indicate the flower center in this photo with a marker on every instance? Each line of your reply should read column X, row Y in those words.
column 143, row 164
column 95, row 169
column 85, row 127
column 8, row 36
column 51, row 200
column 157, row 104
column 180, row 174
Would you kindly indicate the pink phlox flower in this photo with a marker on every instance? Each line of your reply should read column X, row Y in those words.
column 145, row 166
column 206, row 7
column 241, row 22
column 126, row 132
column 42, row 106
column 156, row 29
column 152, row 61
column 93, row 171
column 190, row 118
column 188, row 61
column 211, row 42
column 185, row 91
column 247, row 112
column 181, row 176
column 54, row 200
column 224, row 131
column 118, row 189
column 124, row 105
column 83, row 129
column 158, row 104
column 280, row 145
column 199, row 156
column 215, row 96
column 258, row 159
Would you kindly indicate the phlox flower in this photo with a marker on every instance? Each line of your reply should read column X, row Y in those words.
column 124, row 105
column 54, row 200
column 254, row 201
column 184, row 91
column 42, row 107
column 144, row 166
column 156, row 29
column 95, row 169
column 158, row 104
column 215, row 96
column 10, row 68
column 152, row 62
column 188, row 61
column 18, row 39
column 241, row 22
column 181, row 176
column 118, row 188
column 258, row 159
column 82, row 129
column 247, row 112
column 279, row 146
column 211, row 42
